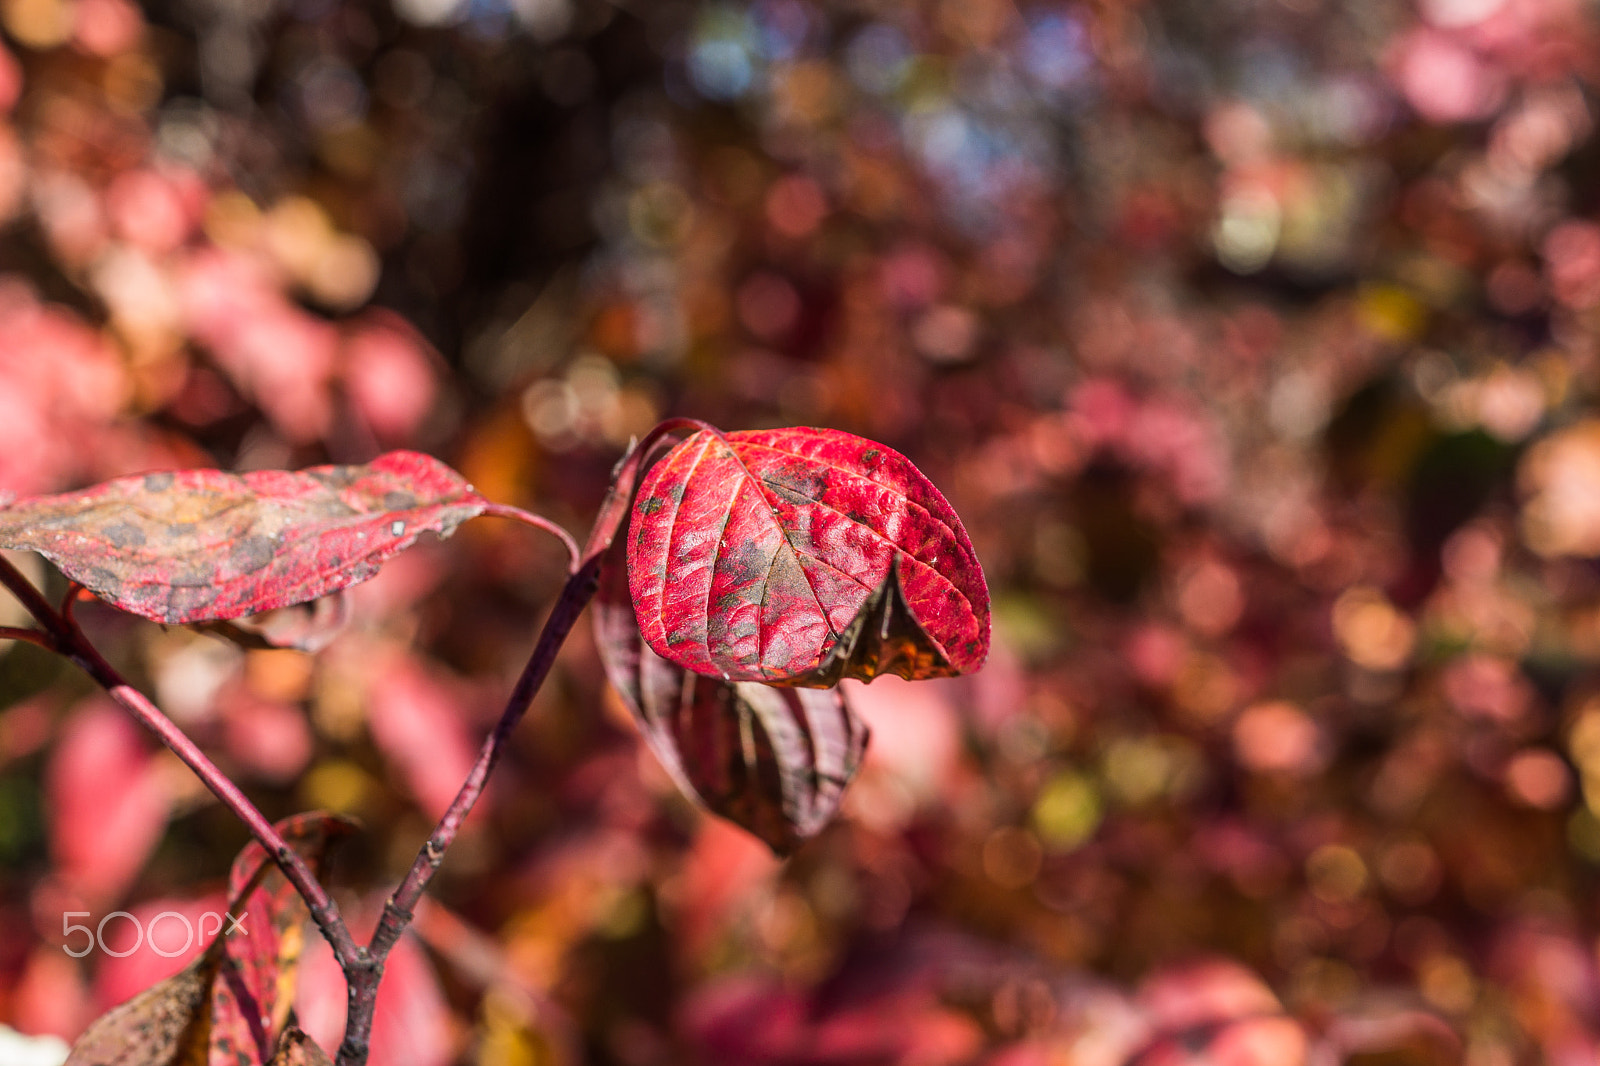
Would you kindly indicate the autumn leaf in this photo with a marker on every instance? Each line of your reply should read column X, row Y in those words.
column 229, row 1006
column 295, row 1048
column 251, row 1004
column 201, row 545
column 772, row 760
column 803, row 556
column 165, row 1025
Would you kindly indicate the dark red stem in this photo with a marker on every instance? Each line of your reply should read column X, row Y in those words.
column 32, row 636
column 501, row 510
column 67, row 639
column 401, row 907
column 575, row 595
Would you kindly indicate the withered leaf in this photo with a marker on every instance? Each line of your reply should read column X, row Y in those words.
column 883, row 638
column 295, row 1048
column 261, row 960
column 772, row 760
column 165, row 1025
column 228, row 1007
column 199, row 545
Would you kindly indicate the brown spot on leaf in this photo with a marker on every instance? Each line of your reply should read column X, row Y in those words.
column 124, row 535
column 101, row 582
column 251, row 554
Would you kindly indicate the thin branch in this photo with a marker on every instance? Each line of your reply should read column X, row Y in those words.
column 502, row 510
column 70, row 641
column 32, row 636
column 75, row 592
column 400, row 909
column 35, row 604
column 580, row 588
column 397, row 913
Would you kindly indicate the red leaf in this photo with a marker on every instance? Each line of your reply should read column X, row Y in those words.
column 261, row 958
column 229, row 1006
column 803, row 556
column 199, row 545
column 773, row 760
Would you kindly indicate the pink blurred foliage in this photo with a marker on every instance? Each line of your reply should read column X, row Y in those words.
column 64, row 384
column 269, row 738
column 723, row 868
column 10, row 80
column 107, row 27
column 390, row 374
column 50, row 995
column 109, row 801
column 914, row 752
column 1553, row 983
column 281, row 357
column 751, row 1020
column 25, row 727
column 1167, row 437
column 419, row 720
column 71, row 213
column 153, row 210
column 1572, row 263
column 161, row 950
column 722, row 1020
column 1445, row 79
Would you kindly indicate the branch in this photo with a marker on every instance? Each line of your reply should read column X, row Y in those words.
column 401, row 906
column 32, row 636
column 580, row 588
column 65, row 637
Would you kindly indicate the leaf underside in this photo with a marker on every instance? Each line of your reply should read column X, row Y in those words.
column 802, row 556
column 302, row 626
column 202, row 545
column 774, row 761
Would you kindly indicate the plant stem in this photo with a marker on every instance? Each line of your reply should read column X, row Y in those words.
column 32, row 636
column 363, row 966
column 501, row 510
column 401, row 906
column 64, row 637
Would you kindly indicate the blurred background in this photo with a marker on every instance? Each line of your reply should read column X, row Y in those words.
column 1254, row 340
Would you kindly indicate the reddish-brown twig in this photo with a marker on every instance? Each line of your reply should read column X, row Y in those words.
column 63, row 636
